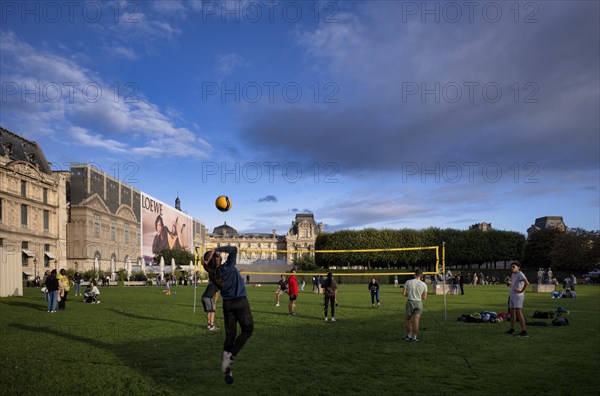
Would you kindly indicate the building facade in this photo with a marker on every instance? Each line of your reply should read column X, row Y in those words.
column 105, row 223
column 301, row 235
column 85, row 219
column 103, row 227
column 33, row 206
column 481, row 226
column 547, row 223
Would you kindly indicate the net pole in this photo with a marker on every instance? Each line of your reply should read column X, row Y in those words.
column 195, row 277
column 444, row 275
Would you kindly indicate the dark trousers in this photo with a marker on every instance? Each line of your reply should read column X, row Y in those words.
column 330, row 300
column 237, row 311
column 63, row 301
column 462, row 288
column 374, row 295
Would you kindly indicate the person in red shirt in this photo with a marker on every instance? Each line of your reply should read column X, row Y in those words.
column 293, row 292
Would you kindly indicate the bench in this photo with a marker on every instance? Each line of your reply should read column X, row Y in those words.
column 439, row 289
column 134, row 283
column 542, row 288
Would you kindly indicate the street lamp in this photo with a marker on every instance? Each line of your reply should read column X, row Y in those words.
column 35, row 269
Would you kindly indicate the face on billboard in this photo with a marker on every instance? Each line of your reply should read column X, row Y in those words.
column 163, row 227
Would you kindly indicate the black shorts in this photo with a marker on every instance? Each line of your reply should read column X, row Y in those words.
column 293, row 297
column 209, row 304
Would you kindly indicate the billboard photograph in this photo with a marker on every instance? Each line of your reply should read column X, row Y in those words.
column 163, row 228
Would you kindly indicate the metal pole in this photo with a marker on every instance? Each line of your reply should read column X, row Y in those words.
column 194, row 277
column 444, row 275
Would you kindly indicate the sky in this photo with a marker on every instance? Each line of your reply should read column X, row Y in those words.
column 375, row 114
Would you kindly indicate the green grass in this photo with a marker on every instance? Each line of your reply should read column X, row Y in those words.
column 139, row 341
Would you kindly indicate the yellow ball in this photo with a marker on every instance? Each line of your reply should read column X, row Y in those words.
column 223, row 203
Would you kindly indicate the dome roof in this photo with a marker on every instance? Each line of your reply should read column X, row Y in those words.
column 225, row 230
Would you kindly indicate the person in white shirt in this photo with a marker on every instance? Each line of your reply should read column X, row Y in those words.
column 518, row 283
column 95, row 293
column 416, row 292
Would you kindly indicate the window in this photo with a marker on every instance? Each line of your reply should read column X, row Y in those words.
column 46, row 258
column 97, row 226
column 113, row 230
column 23, row 188
column 45, row 195
column 139, row 237
column 23, row 215
column 46, row 220
column 25, row 254
column 126, row 233
column 1, row 201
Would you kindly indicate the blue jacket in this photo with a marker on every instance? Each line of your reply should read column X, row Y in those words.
column 233, row 284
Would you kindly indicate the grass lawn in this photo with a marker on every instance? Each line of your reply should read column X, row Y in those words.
column 139, row 341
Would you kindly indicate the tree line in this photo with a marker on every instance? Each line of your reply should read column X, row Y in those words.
column 575, row 250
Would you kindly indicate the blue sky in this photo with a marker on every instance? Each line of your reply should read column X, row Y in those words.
column 368, row 114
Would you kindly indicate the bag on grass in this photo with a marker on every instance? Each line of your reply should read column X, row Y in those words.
column 540, row 323
column 540, row 315
column 560, row 321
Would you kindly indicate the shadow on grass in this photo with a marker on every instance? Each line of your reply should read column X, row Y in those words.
column 152, row 318
column 157, row 360
column 41, row 306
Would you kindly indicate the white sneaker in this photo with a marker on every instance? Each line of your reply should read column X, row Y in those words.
column 226, row 362
column 333, row 319
column 325, row 318
column 277, row 304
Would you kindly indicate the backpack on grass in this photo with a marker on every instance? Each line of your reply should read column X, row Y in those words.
column 560, row 321
column 543, row 315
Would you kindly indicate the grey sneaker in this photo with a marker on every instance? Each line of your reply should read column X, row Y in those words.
column 226, row 362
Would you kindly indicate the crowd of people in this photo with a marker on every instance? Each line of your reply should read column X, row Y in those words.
column 57, row 285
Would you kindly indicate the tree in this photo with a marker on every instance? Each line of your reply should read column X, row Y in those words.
column 306, row 262
column 182, row 257
column 576, row 250
column 538, row 250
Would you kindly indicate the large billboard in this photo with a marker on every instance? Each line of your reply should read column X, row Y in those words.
column 164, row 227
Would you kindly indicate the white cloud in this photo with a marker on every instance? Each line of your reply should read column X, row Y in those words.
column 68, row 97
column 226, row 63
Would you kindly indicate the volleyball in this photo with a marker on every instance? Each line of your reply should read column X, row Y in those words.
column 223, row 203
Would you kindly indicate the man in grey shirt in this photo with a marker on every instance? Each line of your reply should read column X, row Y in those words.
column 416, row 292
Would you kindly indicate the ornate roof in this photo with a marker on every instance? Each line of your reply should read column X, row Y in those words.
column 225, row 230
column 17, row 148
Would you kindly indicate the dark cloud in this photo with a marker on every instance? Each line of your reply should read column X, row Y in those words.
column 374, row 59
column 268, row 198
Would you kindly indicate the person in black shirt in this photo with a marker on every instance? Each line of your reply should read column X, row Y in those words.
column 374, row 288
column 236, row 309
column 52, row 286
column 281, row 288
column 330, row 291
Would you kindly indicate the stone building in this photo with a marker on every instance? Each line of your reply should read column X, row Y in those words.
column 481, row 226
column 547, row 223
column 33, row 206
column 301, row 235
column 103, row 227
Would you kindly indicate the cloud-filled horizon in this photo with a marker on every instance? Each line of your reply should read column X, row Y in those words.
column 366, row 114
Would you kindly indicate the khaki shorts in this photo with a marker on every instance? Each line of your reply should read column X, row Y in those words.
column 516, row 300
column 413, row 308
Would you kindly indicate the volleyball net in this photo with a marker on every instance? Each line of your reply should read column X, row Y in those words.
column 433, row 254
